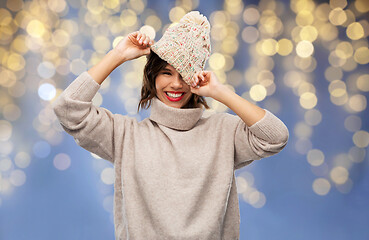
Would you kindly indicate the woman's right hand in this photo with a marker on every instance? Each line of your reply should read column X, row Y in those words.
column 133, row 46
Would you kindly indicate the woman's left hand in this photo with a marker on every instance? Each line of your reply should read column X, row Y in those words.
column 205, row 83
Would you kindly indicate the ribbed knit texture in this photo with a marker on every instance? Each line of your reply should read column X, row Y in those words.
column 174, row 178
column 186, row 45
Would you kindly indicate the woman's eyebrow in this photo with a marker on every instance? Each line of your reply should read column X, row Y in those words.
column 167, row 69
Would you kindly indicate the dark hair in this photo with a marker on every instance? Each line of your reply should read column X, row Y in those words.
column 152, row 68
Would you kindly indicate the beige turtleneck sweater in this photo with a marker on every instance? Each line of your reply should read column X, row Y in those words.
column 174, row 171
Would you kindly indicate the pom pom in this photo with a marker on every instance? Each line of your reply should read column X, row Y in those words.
column 195, row 17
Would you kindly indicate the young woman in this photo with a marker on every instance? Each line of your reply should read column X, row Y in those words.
column 174, row 171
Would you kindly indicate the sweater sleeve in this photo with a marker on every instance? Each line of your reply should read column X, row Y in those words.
column 264, row 138
column 91, row 127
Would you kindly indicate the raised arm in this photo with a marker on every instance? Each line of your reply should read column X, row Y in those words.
column 259, row 133
column 209, row 86
column 93, row 127
column 132, row 46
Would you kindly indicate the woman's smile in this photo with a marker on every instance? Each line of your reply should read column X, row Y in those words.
column 171, row 89
column 174, row 96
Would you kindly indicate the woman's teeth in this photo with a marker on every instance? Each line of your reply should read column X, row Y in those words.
column 174, row 95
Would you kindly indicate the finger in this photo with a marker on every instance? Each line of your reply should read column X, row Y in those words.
column 139, row 38
column 144, row 37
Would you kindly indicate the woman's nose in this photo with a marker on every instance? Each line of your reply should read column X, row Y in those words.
column 178, row 81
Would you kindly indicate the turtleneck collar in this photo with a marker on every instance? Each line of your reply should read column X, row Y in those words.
column 176, row 118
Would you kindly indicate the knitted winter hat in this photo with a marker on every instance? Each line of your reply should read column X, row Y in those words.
column 186, row 45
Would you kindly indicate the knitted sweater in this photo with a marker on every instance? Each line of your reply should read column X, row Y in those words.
column 174, row 171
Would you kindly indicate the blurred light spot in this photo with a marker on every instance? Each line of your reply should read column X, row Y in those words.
column 41, row 149
column 355, row 31
column 307, row 64
column 5, row 164
column 322, row 12
column 46, row 70
column 78, row 66
column 242, row 184
column 117, row 40
column 130, row 104
column 357, row 102
column 303, row 146
column 250, row 34
column 304, row 49
column 137, row 5
column 7, row 78
column 361, row 55
column 353, row 123
column 95, row 7
column 361, row 139
column 308, row 100
column 269, row 47
column 62, row 161
column 19, row 44
column 57, row 6
column 218, row 106
column 315, row 157
column 338, row 3
column 362, row 83
column 230, row 45
column 154, row 21
column 304, row 18
column 344, row 50
column 107, row 176
column 101, row 44
column 234, row 7
column 313, row 117
column 46, row 91
column 309, row 33
column 176, row 13
column 337, row 88
column 257, row 199
column 22, row 159
column 362, row 6
column 16, row 62
column 337, row 16
column 17, row 177
column 357, row 154
column 216, row 61
column 128, row 17
column 11, row 112
column 6, row 147
column 333, row 73
column 60, row 38
column 5, row 130
column 327, row 31
column 35, row 28
column 251, row 16
column 349, row 65
column 111, row 3
column 5, row 17
column 346, row 186
column 108, row 203
column 149, row 31
column 302, row 130
column 339, row 175
column 258, row 92
column 321, row 186
column 292, row 79
column 285, row 47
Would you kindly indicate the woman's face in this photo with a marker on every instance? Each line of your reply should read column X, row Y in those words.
column 171, row 89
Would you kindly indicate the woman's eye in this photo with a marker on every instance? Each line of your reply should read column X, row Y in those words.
column 167, row 73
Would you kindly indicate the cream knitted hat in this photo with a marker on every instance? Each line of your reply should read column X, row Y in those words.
column 186, row 45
